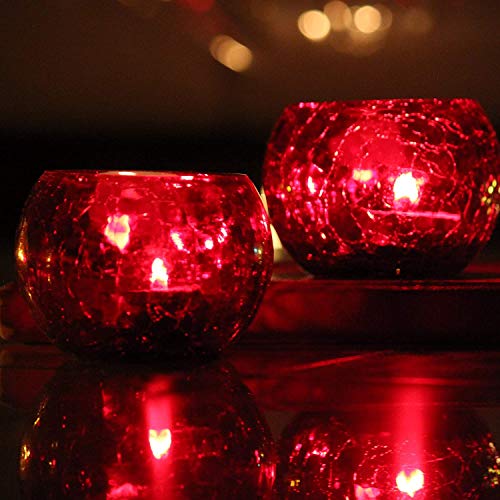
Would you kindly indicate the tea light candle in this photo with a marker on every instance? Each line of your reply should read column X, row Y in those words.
column 396, row 187
column 144, row 263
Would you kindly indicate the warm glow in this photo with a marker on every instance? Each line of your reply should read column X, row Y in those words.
column 20, row 255
column 118, row 231
column 159, row 274
column 367, row 19
column 339, row 14
column 410, row 483
column 199, row 6
column 160, row 442
column 406, row 186
column 365, row 493
column 129, row 174
column 386, row 14
column 25, row 452
column 209, row 243
column 176, row 238
column 126, row 490
column 231, row 53
column 417, row 20
column 277, row 245
column 311, row 186
column 314, row 25
column 362, row 175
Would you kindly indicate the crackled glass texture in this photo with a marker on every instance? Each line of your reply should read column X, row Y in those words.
column 144, row 263
column 450, row 456
column 402, row 187
column 131, row 432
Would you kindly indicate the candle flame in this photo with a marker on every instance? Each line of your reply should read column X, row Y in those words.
column 160, row 442
column 118, row 231
column 410, row 483
column 406, row 186
column 159, row 274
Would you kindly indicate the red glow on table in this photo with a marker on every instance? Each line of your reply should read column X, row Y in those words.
column 118, row 230
column 126, row 490
column 410, row 482
column 160, row 442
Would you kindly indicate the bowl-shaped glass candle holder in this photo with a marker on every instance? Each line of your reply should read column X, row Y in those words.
column 128, row 432
column 399, row 187
column 144, row 263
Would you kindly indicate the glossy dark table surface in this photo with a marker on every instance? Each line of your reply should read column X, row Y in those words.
column 322, row 423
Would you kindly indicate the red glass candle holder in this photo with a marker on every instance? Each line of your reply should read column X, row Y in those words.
column 399, row 187
column 449, row 455
column 144, row 263
column 128, row 432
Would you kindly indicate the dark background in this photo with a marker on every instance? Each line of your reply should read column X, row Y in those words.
column 122, row 84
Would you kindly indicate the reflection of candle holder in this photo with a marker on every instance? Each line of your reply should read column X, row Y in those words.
column 392, row 187
column 141, row 263
column 133, row 432
column 449, row 454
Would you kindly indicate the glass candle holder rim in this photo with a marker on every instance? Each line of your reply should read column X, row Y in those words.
column 399, row 100
column 193, row 175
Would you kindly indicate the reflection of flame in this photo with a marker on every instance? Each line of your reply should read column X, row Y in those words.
column 365, row 493
column 406, row 186
column 209, row 243
column 118, row 230
column 21, row 256
column 126, row 490
column 176, row 238
column 159, row 274
column 362, row 175
column 160, row 442
column 410, row 483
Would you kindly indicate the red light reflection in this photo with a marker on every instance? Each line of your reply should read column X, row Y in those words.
column 365, row 493
column 160, row 442
column 159, row 274
column 118, row 231
column 406, row 187
column 410, row 482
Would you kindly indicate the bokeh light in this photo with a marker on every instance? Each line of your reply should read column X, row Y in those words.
column 339, row 15
column 386, row 14
column 314, row 25
column 367, row 19
column 232, row 54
